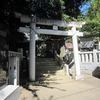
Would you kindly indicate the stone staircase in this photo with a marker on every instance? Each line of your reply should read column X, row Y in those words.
column 46, row 66
column 49, row 72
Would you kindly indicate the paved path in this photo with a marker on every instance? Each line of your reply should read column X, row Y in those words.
column 61, row 87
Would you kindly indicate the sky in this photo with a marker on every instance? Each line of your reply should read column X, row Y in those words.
column 84, row 8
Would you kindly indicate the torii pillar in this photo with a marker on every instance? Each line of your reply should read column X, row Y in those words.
column 76, row 54
column 32, row 53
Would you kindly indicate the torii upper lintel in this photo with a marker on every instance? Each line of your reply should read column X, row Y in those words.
column 41, row 21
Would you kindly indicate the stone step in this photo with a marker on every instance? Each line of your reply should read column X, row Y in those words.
column 46, row 63
column 51, row 62
column 47, row 66
column 46, row 70
column 52, row 73
column 45, row 59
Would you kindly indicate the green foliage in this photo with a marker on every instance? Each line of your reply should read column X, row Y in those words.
column 81, row 18
column 72, row 7
column 53, row 9
column 47, row 8
column 94, row 10
column 91, row 28
column 92, row 19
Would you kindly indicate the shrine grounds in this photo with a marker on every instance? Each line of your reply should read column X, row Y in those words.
column 63, row 88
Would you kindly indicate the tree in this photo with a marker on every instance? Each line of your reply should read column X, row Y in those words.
column 92, row 26
column 49, row 8
column 72, row 7
column 53, row 9
column 94, row 10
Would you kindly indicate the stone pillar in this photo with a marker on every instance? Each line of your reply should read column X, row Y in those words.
column 32, row 53
column 67, row 69
column 95, row 57
column 76, row 54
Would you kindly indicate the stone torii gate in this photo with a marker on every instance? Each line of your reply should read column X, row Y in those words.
column 55, row 23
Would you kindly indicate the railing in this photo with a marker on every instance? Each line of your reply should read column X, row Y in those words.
column 90, row 57
column 89, row 60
